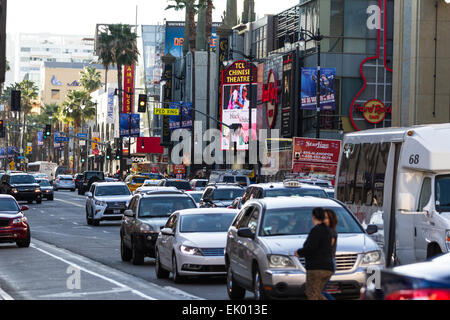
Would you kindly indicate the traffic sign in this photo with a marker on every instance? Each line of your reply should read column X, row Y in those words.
column 167, row 112
column 82, row 135
column 62, row 139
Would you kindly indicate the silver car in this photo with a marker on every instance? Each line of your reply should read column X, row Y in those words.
column 261, row 245
column 106, row 201
column 64, row 182
column 193, row 243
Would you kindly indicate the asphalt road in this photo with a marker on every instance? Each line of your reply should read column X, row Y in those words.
column 70, row 260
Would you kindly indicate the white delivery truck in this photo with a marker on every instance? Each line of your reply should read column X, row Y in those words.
column 399, row 180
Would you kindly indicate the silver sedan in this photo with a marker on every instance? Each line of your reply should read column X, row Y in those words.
column 193, row 243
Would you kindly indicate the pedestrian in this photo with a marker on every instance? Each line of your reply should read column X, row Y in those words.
column 331, row 222
column 318, row 253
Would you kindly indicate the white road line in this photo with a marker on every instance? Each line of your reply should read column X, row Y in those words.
column 4, row 295
column 71, row 203
column 142, row 295
column 180, row 292
column 82, row 294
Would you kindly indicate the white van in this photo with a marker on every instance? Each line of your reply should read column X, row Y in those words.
column 399, row 180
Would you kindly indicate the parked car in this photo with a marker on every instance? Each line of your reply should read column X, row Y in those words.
column 265, row 234
column 21, row 186
column 179, row 184
column 14, row 227
column 64, row 182
column 428, row 280
column 220, row 195
column 199, row 184
column 196, row 195
column 238, row 177
column 288, row 188
column 46, row 189
column 192, row 243
column 147, row 214
column 90, row 177
column 135, row 181
column 106, row 201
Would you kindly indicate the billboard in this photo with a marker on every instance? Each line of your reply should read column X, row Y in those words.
column 184, row 120
column 135, row 125
column 315, row 155
column 128, row 88
column 40, row 138
column 327, row 89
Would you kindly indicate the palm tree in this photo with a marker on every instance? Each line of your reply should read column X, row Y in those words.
column 73, row 113
column 91, row 79
column 190, row 8
column 105, row 53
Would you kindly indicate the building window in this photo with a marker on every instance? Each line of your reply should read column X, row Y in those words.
column 55, row 94
column 25, row 49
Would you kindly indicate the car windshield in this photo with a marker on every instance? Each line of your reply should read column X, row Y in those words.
column 90, row 175
column 8, row 205
column 227, row 194
column 241, row 180
column 206, row 223
column 201, row 184
column 138, row 180
column 181, row 185
column 106, row 191
column 44, row 183
column 164, row 206
column 23, row 179
column 228, row 179
column 295, row 192
column 298, row 221
column 197, row 196
column 442, row 193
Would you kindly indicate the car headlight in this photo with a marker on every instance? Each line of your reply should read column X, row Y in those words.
column 145, row 228
column 15, row 191
column 279, row 261
column 373, row 257
column 100, row 203
column 20, row 220
column 37, row 190
column 447, row 240
column 190, row 250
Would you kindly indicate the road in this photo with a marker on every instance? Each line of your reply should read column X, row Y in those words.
column 70, row 260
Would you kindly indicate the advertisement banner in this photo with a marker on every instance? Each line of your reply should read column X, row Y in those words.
column 125, row 125
column 316, row 155
column 184, row 120
column 327, row 89
column 167, row 98
column 110, row 107
column 40, row 138
column 288, row 96
column 128, row 88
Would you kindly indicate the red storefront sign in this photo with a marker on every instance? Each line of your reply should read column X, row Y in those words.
column 179, row 169
column 316, row 155
column 149, row 145
column 128, row 88
column 270, row 98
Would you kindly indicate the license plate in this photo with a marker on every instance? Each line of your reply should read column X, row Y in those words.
column 116, row 211
column 333, row 288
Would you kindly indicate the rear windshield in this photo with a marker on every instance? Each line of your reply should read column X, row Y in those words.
column 295, row 192
column 66, row 178
column 197, row 196
column 201, row 184
column 181, row 185
column 206, row 223
column 44, row 183
column 112, row 191
column 228, row 179
column 241, row 180
column 138, row 180
column 90, row 175
column 24, row 179
column 8, row 205
column 228, row 194
column 163, row 207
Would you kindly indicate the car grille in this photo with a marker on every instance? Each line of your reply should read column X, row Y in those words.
column 213, row 252
column 117, row 205
column 4, row 223
column 344, row 262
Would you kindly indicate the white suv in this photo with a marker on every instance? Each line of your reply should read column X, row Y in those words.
column 106, row 201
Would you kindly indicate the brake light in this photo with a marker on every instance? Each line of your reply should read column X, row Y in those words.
column 420, row 294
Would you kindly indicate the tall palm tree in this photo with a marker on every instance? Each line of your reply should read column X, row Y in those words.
column 91, row 79
column 73, row 113
column 105, row 53
column 29, row 95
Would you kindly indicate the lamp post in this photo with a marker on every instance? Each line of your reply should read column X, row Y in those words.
column 83, row 106
column 306, row 36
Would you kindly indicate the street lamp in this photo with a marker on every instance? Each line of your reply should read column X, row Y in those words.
column 305, row 36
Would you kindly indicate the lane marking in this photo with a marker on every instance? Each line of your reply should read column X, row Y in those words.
column 5, row 296
column 71, row 203
column 95, row 274
column 181, row 292
column 83, row 294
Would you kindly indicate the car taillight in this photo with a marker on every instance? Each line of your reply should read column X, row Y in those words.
column 420, row 294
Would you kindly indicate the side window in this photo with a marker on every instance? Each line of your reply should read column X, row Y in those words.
column 92, row 190
column 253, row 221
column 380, row 174
column 246, row 195
column 353, row 158
column 242, row 222
column 425, row 194
column 257, row 193
column 134, row 205
column 364, row 175
column 172, row 222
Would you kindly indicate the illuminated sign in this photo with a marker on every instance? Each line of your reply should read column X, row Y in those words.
column 270, row 98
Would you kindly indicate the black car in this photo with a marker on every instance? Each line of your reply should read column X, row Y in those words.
column 147, row 214
column 428, row 280
column 78, row 178
column 22, row 186
column 46, row 189
column 220, row 195
column 90, row 177
column 179, row 184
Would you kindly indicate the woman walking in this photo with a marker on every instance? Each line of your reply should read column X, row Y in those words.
column 318, row 253
column 331, row 222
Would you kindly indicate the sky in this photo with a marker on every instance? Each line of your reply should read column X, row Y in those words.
column 79, row 17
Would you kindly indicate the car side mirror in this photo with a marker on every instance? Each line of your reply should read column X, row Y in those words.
column 88, row 194
column 246, row 233
column 167, row 232
column 372, row 229
column 24, row 208
column 129, row 213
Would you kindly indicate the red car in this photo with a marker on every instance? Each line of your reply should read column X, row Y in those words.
column 13, row 224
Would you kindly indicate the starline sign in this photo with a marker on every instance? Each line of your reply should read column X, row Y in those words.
column 270, row 98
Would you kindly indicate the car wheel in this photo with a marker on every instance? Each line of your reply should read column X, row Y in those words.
column 88, row 219
column 235, row 291
column 175, row 275
column 137, row 257
column 25, row 243
column 30, row 202
column 161, row 273
column 125, row 252
column 50, row 199
column 95, row 223
column 258, row 288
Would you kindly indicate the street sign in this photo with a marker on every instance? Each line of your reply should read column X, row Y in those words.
column 62, row 139
column 21, row 158
column 82, row 135
column 167, row 112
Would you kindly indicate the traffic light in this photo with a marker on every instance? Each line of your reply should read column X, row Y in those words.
column 48, row 130
column 2, row 129
column 83, row 160
column 142, row 106
column 118, row 154
column 15, row 100
column 108, row 153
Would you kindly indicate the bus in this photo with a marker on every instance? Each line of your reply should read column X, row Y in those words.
column 398, row 180
column 42, row 167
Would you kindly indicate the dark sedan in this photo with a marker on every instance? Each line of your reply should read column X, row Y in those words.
column 428, row 280
column 14, row 226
